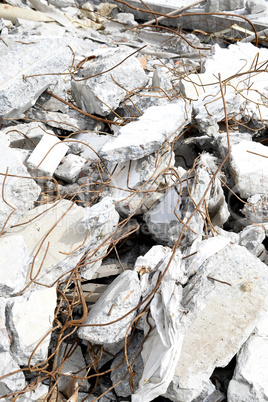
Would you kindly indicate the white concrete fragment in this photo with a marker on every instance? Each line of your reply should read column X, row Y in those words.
column 70, row 168
column 104, row 92
column 249, row 166
column 25, row 135
column 167, row 217
column 146, row 135
column 59, row 234
column 70, row 120
column 30, row 319
column 46, row 56
column 220, row 316
column 14, row 382
column 256, row 6
column 256, row 211
column 131, row 180
column 209, row 109
column 200, row 251
column 13, row 265
column 20, row 193
column 46, row 156
column 252, row 237
column 250, row 381
column 93, row 142
column 120, row 297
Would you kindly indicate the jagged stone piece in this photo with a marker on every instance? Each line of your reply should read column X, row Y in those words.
column 61, row 233
column 256, row 210
column 18, row 91
column 20, row 193
column 47, row 155
column 131, row 180
column 250, row 380
column 146, row 135
column 13, row 280
column 249, row 166
column 25, row 135
column 221, row 316
column 30, row 318
column 70, row 168
column 104, row 92
column 120, row 297
column 166, row 218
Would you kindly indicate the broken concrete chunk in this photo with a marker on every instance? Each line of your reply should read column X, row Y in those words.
column 146, row 135
column 25, row 135
column 30, row 319
column 13, row 265
column 92, row 143
column 19, row 193
column 209, row 110
column 256, row 6
column 256, row 209
column 122, row 296
column 13, row 382
column 226, row 296
column 105, row 91
column 18, row 91
column 252, row 237
column 71, row 122
column 131, row 180
column 234, row 137
column 46, row 156
column 249, row 382
column 70, row 168
column 55, row 235
column 249, row 166
column 167, row 217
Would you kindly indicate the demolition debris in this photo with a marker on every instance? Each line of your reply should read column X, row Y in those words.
column 133, row 200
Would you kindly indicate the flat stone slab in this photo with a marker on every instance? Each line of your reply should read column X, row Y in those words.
column 13, row 280
column 18, row 91
column 221, row 315
column 30, row 319
column 146, row 135
column 55, row 235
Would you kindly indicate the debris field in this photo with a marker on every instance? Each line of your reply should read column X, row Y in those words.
column 133, row 200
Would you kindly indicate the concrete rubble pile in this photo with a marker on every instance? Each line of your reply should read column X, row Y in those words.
column 133, row 201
